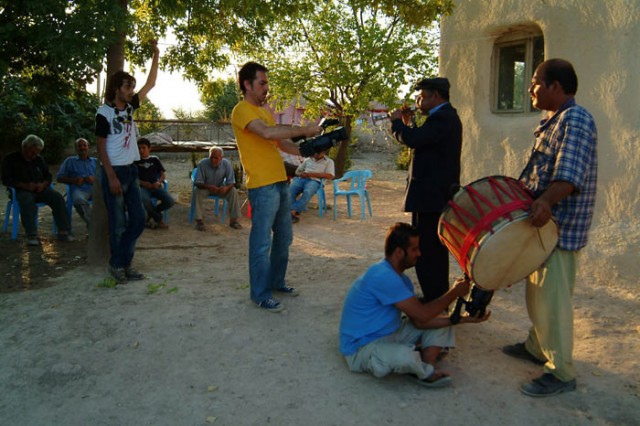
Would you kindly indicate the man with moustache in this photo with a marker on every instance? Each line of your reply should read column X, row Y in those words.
column 78, row 171
column 562, row 174
column 434, row 176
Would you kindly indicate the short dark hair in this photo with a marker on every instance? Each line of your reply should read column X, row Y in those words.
column 144, row 141
column 561, row 71
column 398, row 236
column 248, row 72
column 115, row 82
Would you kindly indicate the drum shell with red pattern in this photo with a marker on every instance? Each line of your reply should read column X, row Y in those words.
column 486, row 228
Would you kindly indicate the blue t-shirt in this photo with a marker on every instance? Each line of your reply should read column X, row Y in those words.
column 368, row 312
column 75, row 167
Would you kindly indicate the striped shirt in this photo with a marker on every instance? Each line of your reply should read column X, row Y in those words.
column 566, row 150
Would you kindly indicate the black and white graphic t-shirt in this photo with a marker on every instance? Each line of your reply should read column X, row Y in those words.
column 118, row 127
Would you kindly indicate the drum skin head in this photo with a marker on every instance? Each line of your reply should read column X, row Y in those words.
column 511, row 253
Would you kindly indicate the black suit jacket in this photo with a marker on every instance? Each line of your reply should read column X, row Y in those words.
column 434, row 172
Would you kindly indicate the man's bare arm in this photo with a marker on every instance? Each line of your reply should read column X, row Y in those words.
column 280, row 132
column 153, row 73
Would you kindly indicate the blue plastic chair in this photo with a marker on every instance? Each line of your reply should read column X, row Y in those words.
column 13, row 213
column 211, row 197
column 356, row 185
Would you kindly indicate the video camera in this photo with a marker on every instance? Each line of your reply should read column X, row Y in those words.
column 325, row 141
column 476, row 306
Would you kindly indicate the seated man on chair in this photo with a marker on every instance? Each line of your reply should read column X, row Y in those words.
column 151, row 174
column 374, row 335
column 27, row 172
column 215, row 177
column 291, row 163
column 79, row 171
column 307, row 181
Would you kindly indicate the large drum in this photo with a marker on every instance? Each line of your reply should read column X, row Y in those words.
column 486, row 228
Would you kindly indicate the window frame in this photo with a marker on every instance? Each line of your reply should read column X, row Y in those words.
column 527, row 38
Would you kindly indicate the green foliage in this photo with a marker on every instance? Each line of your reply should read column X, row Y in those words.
column 348, row 53
column 404, row 158
column 207, row 32
column 219, row 97
column 60, row 119
column 47, row 56
column 148, row 111
column 49, row 40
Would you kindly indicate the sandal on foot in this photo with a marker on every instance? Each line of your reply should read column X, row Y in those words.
column 436, row 380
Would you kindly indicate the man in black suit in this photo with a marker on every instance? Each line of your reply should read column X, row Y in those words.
column 434, row 176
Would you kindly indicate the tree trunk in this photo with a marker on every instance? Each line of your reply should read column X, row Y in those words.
column 115, row 52
column 98, row 243
column 343, row 149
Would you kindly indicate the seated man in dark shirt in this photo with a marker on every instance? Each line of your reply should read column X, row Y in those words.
column 27, row 172
column 151, row 174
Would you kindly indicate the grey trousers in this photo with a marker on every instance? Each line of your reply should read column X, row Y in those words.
column 396, row 353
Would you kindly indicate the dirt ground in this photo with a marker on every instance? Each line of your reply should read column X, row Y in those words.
column 187, row 347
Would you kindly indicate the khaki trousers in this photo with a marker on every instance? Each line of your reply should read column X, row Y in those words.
column 232, row 201
column 549, row 292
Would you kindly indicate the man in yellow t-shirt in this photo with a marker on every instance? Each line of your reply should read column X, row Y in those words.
column 258, row 139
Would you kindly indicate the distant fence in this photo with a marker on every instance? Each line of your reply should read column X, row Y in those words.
column 188, row 130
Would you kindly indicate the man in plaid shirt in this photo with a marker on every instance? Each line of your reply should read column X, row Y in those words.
column 562, row 173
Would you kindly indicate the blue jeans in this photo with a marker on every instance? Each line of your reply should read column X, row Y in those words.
column 125, row 213
column 269, row 240
column 307, row 188
column 165, row 202
column 81, row 199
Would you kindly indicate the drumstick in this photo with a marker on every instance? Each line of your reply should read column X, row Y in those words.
column 540, row 239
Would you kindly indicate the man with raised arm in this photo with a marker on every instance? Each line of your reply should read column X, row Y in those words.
column 117, row 150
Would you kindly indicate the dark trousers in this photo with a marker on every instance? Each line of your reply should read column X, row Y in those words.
column 125, row 213
column 432, row 267
column 27, row 201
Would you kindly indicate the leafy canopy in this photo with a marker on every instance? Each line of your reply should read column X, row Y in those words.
column 351, row 52
column 47, row 56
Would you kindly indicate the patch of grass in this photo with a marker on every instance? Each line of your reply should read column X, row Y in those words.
column 107, row 283
column 154, row 288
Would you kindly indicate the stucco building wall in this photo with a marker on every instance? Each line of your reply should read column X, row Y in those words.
column 601, row 39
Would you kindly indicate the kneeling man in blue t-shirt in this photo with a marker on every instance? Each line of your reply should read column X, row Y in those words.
column 376, row 338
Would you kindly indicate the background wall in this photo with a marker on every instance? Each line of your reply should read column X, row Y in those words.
column 601, row 40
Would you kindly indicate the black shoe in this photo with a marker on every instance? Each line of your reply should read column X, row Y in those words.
column 547, row 385
column 519, row 351
column 133, row 275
